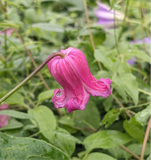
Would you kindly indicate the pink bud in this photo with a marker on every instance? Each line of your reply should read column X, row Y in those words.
column 3, row 118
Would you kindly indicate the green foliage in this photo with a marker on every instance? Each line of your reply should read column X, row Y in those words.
column 16, row 114
column 96, row 156
column 110, row 117
column 45, row 95
column 27, row 148
column 43, row 27
column 106, row 139
column 132, row 128
column 46, row 122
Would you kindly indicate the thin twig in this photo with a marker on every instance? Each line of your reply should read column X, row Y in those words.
column 127, row 150
column 90, row 33
column 121, row 105
column 31, row 57
column 31, row 75
column 22, row 41
column 144, row 92
column 145, row 139
column 142, row 22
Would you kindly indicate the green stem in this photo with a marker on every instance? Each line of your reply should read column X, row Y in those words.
column 31, row 75
column 5, row 31
column 145, row 139
column 140, row 105
column 123, row 23
column 144, row 92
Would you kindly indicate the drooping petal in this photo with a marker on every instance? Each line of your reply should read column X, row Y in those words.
column 60, row 98
column 4, row 106
column 99, row 87
column 95, row 87
column 4, row 120
column 72, row 103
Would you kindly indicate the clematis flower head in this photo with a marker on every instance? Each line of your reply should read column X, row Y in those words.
column 140, row 41
column 8, row 32
column 73, row 74
column 131, row 61
column 108, row 17
column 3, row 118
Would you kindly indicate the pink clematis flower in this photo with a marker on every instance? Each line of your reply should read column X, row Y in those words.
column 3, row 118
column 73, row 74
column 8, row 32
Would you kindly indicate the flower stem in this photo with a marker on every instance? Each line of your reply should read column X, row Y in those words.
column 4, row 10
column 90, row 33
column 145, row 139
column 144, row 92
column 134, row 155
column 31, row 75
column 121, row 105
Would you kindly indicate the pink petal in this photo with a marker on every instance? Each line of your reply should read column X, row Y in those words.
column 4, row 106
column 8, row 32
column 95, row 87
column 60, row 98
column 4, row 120
column 73, row 104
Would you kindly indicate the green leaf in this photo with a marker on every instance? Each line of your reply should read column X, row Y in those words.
column 107, row 103
column 88, row 118
column 99, row 156
column 137, row 53
column 45, row 95
column 128, row 82
column 120, row 91
column 118, row 152
column 67, row 120
column 103, row 74
column 124, row 68
column 136, row 148
column 142, row 116
column 110, row 117
column 28, row 148
column 149, row 157
column 64, row 142
column 15, row 98
column 101, row 55
column 134, row 130
column 106, row 139
column 16, row 114
column 76, row 158
column 48, row 27
column 18, row 132
column 67, row 136
column 30, row 15
column 142, row 85
column 46, row 122
column 12, row 124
